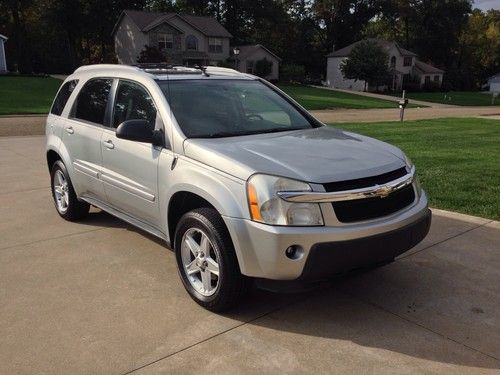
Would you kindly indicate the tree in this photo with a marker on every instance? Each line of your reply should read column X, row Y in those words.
column 367, row 62
column 480, row 47
column 343, row 20
column 263, row 67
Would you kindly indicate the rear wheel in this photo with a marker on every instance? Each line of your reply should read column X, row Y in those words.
column 207, row 262
column 67, row 204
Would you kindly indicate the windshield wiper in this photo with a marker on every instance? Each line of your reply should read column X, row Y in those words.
column 276, row 130
column 250, row 132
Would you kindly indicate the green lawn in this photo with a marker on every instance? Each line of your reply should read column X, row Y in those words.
column 465, row 98
column 457, row 160
column 315, row 98
column 20, row 95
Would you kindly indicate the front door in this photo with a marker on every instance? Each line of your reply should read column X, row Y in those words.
column 82, row 137
column 130, row 169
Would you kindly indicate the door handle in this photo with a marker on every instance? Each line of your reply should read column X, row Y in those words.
column 69, row 130
column 109, row 144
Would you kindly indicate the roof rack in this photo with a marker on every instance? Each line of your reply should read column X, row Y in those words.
column 154, row 66
column 165, row 68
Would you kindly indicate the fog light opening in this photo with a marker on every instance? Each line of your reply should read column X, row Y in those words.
column 294, row 252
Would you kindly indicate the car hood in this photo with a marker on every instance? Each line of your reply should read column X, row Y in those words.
column 317, row 155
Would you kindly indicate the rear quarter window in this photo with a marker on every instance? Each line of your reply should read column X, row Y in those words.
column 63, row 96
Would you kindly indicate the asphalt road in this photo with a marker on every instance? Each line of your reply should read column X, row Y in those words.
column 102, row 297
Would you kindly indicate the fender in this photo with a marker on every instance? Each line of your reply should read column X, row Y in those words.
column 226, row 193
column 54, row 144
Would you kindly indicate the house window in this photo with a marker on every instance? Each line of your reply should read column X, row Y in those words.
column 250, row 65
column 215, row 45
column 436, row 78
column 191, row 43
column 427, row 79
column 407, row 61
column 393, row 61
column 165, row 41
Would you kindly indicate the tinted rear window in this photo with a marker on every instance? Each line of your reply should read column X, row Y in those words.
column 92, row 100
column 63, row 96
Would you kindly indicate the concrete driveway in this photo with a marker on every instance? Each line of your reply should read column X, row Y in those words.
column 102, row 297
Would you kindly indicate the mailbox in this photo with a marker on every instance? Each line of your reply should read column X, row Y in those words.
column 403, row 103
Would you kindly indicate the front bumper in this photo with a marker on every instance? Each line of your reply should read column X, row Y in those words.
column 328, row 250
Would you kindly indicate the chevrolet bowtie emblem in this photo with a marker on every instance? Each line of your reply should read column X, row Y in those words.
column 384, row 191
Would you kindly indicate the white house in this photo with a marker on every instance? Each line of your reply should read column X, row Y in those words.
column 3, row 61
column 494, row 83
column 248, row 56
column 403, row 65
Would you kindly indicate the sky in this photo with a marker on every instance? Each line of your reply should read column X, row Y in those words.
column 487, row 4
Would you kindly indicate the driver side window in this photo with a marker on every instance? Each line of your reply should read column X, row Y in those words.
column 133, row 102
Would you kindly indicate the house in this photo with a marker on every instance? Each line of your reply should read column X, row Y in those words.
column 182, row 39
column 494, row 83
column 3, row 61
column 403, row 66
column 246, row 57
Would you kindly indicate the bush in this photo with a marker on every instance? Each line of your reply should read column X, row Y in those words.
column 263, row 67
column 411, row 84
column 226, row 64
column 150, row 55
column 431, row 86
column 293, row 73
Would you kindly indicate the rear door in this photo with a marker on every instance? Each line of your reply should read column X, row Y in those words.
column 82, row 136
column 130, row 169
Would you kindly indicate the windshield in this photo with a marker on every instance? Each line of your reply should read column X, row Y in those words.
column 224, row 108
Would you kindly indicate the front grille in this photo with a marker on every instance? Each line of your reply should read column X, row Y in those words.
column 365, row 182
column 371, row 208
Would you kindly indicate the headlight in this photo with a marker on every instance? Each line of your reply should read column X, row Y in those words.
column 408, row 162
column 266, row 207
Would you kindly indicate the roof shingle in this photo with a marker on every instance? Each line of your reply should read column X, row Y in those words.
column 206, row 25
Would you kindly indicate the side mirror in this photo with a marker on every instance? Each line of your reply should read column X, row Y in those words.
column 135, row 130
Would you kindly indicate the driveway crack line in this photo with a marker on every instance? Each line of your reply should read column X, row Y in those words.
column 446, row 239
column 421, row 326
column 51, row 238
column 217, row 335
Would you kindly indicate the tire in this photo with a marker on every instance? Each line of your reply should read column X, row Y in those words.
column 226, row 289
column 67, row 204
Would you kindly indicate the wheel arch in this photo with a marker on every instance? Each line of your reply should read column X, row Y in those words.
column 181, row 203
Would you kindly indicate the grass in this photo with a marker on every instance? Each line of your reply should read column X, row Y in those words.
column 457, row 160
column 465, row 98
column 24, row 95
column 313, row 98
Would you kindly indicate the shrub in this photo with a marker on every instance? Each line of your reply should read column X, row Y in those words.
column 293, row 73
column 431, row 86
column 150, row 55
column 263, row 67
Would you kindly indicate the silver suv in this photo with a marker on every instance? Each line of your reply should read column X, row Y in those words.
column 240, row 180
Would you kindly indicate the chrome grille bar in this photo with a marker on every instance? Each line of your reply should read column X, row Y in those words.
column 380, row 191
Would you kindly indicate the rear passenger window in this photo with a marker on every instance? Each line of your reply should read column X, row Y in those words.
column 92, row 100
column 63, row 96
column 133, row 102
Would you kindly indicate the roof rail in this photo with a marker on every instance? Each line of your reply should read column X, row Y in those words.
column 218, row 70
column 153, row 66
column 85, row 68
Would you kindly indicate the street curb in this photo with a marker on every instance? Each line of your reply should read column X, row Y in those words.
column 465, row 217
column 21, row 115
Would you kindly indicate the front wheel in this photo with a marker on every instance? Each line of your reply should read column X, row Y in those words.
column 207, row 262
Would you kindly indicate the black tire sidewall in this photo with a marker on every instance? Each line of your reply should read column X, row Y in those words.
column 76, row 209
column 195, row 220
